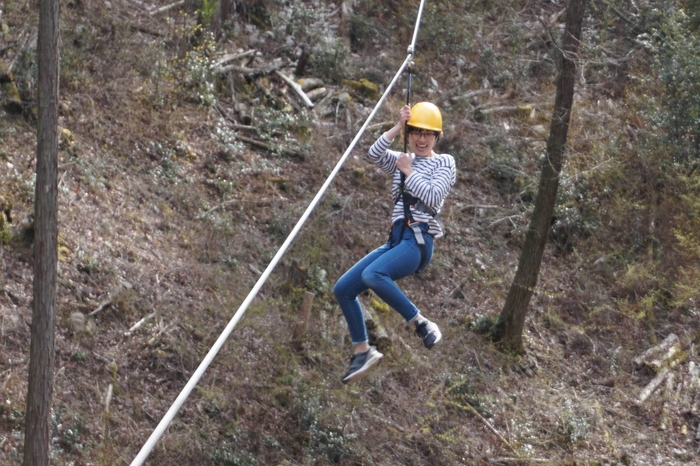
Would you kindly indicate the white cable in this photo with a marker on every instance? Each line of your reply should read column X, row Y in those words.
column 170, row 414
column 412, row 47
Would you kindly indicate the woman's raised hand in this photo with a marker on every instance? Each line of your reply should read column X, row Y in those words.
column 404, row 114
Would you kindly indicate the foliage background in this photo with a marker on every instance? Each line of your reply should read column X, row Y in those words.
column 166, row 214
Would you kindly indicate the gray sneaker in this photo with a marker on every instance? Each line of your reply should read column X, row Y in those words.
column 429, row 333
column 361, row 364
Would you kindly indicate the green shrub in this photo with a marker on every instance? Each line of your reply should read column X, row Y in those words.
column 675, row 112
column 329, row 60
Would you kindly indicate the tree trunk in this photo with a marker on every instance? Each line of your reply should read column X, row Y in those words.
column 512, row 318
column 223, row 12
column 41, row 353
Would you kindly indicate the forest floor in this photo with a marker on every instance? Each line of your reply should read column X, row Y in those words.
column 166, row 222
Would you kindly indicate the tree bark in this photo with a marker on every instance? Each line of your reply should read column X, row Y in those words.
column 512, row 319
column 41, row 353
column 223, row 12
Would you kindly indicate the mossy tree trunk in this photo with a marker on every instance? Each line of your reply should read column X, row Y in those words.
column 37, row 434
column 512, row 318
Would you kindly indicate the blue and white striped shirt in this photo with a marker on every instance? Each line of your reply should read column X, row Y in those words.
column 430, row 181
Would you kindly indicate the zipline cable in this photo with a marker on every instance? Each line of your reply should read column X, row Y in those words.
column 412, row 47
column 194, row 380
column 408, row 102
column 167, row 418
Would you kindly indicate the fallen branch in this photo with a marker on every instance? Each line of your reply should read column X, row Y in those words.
column 155, row 337
column 227, row 58
column 666, row 349
column 148, row 415
column 503, row 108
column 393, row 425
column 138, row 324
column 252, row 72
column 471, row 409
column 504, row 219
column 101, row 358
column 166, row 8
column 145, row 30
column 479, row 206
column 649, row 389
column 231, row 122
column 470, row 94
column 456, row 289
column 296, row 88
column 103, row 305
column 269, row 147
column 108, row 398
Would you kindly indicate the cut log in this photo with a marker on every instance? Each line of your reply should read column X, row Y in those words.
column 308, row 84
column 653, row 385
column 657, row 355
column 252, row 72
column 317, row 94
column 296, row 88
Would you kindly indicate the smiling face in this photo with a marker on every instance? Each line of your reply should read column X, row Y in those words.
column 421, row 141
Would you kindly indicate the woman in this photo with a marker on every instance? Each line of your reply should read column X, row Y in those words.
column 421, row 181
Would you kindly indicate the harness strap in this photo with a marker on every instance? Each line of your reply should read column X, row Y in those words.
column 408, row 220
column 419, row 236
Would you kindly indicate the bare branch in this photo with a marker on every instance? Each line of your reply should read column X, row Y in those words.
column 296, row 88
column 166, row 8
column 252, row 72
column 653, row 385
column 470, row 408
column 230, row 57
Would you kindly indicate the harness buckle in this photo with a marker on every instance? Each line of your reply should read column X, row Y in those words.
column 415, row 226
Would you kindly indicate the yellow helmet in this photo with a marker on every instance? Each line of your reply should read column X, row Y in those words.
column 426, row 115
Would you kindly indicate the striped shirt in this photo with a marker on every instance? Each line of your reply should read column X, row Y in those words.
column 430, row 182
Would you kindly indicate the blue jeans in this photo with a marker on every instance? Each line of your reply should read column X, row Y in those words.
column 377, row 271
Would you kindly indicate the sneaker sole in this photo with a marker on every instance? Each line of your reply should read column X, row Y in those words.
column 364, row 370
column 437, row 340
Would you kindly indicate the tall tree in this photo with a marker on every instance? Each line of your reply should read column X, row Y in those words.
column 512, row 318
column 37, row 432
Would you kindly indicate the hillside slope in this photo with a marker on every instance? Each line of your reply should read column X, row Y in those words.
column 169, row 214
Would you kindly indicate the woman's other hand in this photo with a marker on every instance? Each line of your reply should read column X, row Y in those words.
column 404, row 163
